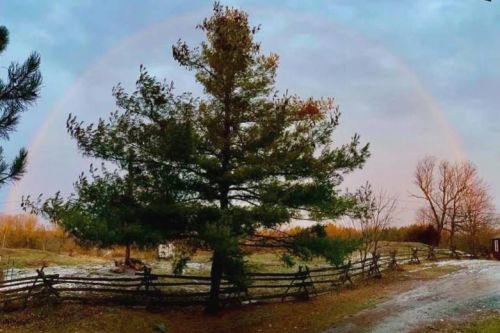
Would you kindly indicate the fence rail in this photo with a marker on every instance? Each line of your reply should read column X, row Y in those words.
column 191, row 289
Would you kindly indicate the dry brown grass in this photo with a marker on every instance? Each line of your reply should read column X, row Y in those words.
column 26, row 231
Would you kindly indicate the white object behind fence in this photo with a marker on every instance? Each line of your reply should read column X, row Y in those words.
column 166, row 251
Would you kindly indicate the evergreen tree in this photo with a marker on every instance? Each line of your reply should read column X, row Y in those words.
column 224, row 171
column 103, row 211
column 18, row 92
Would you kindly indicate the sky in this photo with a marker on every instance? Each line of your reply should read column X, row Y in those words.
column 413, row 78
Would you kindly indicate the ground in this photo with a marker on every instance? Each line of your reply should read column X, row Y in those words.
column 485, row 322
column 28, row 258
column 438, row 305
column 489, row 323
column 315, row 315
column 447, row 296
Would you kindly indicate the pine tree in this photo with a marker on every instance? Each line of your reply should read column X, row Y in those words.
column 17, row 93
column 225, row 171
column 103, row 212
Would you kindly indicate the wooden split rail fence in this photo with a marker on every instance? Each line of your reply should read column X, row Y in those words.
column 146, row 287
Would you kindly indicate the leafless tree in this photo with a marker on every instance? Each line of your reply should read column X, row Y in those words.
column 443, row 186
column 465, row 180
column 476, row 215
column 376, row 214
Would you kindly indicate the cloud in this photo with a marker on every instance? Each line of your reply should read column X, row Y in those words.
column 391, row 65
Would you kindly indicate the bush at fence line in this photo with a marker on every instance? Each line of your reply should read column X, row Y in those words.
column 426, row 234
column 420, row 233
column 332, row 230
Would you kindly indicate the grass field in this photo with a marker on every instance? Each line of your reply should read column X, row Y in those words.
column 487, row 322
column 484, row 325
column 101, row 262
column 26, row 258
column 199, row 264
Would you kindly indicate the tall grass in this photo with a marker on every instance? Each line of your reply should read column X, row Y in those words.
column 27, row 231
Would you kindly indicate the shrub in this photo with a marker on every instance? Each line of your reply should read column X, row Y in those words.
column 426, row 234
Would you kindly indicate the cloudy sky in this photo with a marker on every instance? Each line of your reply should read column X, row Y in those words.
column 413, row 78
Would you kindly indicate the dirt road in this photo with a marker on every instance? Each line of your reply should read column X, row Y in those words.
column 472, row 289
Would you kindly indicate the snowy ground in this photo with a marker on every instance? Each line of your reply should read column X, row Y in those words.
column 474, row 288
column 101, row 270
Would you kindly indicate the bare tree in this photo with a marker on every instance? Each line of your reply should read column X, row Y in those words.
column 464, row 179
column 477, row 215
column 426, row 182
column 424, row 216
column 443, row 186
column 377, row 213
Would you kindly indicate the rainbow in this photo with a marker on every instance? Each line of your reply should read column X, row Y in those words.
column 436, row 112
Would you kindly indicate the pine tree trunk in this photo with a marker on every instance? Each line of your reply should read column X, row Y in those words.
column 213, row 305
column 127, row 255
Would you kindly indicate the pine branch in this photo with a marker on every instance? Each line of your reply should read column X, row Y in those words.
column 16, row 169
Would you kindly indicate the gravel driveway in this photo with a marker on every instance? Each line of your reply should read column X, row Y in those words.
column 474, row 288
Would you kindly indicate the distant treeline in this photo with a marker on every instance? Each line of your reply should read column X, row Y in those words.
column 419, row 232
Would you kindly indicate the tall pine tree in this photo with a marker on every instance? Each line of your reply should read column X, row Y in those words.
column 19, row 91
column 221, row 170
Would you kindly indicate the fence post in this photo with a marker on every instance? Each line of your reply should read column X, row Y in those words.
column 345, row 277
column 310, row 283
column 300, row 282
column 374, row 270
column 147, row 279
column 431, row 255
column 26, row 299
column 393, row 264
column 454, row 253
column 48, row 283
column 298, row 274
column 147, row 282
column 48, row 286
column 414, row 256
column 236, row 293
